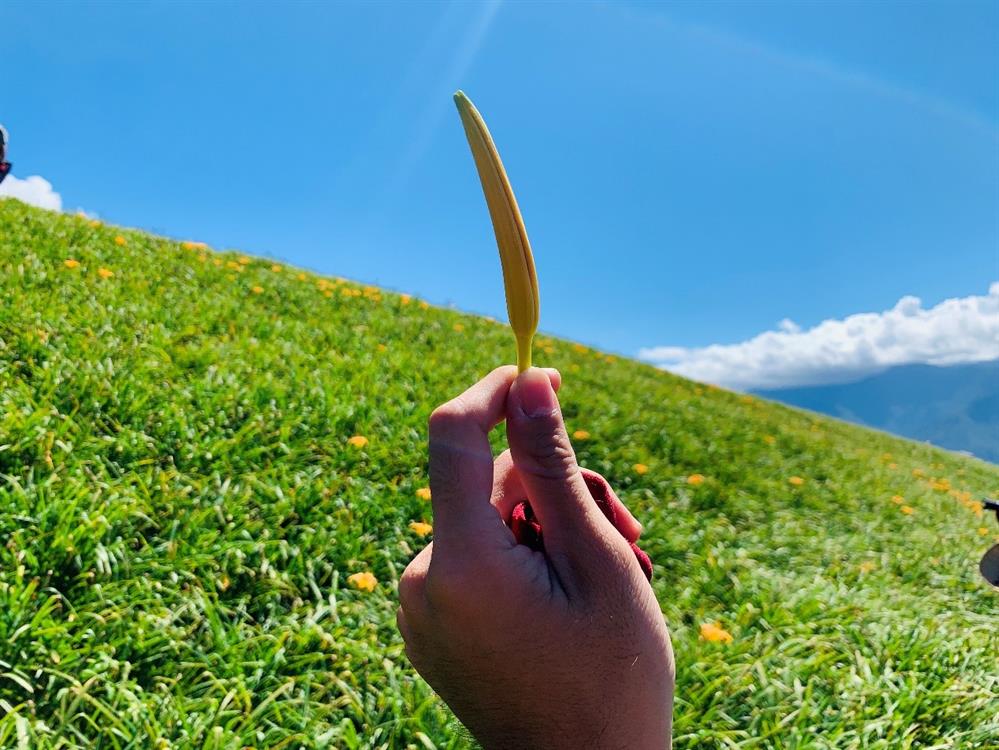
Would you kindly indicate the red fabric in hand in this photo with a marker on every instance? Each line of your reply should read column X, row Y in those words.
column 527, row 529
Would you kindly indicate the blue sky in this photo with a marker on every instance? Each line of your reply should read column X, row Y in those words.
column 690, row 174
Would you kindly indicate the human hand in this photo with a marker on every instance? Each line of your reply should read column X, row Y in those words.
column 565, row 648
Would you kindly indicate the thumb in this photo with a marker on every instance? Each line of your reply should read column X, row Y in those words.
column 546, row 464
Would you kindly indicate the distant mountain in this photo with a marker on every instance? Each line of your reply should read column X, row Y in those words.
column 954, row 407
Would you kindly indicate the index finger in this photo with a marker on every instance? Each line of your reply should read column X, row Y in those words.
column 461, row 463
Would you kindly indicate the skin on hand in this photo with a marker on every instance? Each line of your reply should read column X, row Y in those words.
column 565, row 648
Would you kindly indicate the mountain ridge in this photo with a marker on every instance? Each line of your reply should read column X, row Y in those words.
column 955, row 406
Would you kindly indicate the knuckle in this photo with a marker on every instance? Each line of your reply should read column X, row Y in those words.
column 411, row 593
column 451, row 587
column 412, row 583
column 503, row 372
column 440, row 591
column 446, row 417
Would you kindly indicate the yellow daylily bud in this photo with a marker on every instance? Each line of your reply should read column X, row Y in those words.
column 519, row 277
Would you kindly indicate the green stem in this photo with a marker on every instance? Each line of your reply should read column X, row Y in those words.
column 524, row 352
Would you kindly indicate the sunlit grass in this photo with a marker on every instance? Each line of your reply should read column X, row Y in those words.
column 199, row 451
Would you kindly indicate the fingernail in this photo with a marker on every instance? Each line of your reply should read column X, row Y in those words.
column 537, row 398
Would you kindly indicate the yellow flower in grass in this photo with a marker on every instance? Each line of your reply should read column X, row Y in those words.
column 302, row 277
column 898, row 500
column 244, row 261
column 579, row 349
column 95, row 223
column 907, row 509
column 419, row 528
column 358, row 441
column 405, row 299
column 458, row 327
column 715, row 633
column 640, row 469
column 120, row 241
column 257, row 289
column 363, row 581
column 982, row 531
column 695, row 479
column 105, row 273
column 581, row 435
column 867, row 566
column 796, row 481
column 423, row 493
column 71, row 263
column 424, row 305
column 276, row 268
column 231, row 264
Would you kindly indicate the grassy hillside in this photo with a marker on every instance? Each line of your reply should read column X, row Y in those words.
column 182, row 504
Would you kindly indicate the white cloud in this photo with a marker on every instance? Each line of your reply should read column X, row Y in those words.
column 34, row 190
column 963, row 329
column 789, row 326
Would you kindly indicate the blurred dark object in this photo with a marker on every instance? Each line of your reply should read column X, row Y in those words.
column 4, row 164
column 989, row 566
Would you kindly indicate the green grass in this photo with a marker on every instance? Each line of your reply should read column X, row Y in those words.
column 180, row 511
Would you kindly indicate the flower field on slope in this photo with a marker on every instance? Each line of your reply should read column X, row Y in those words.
column 212, row 474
